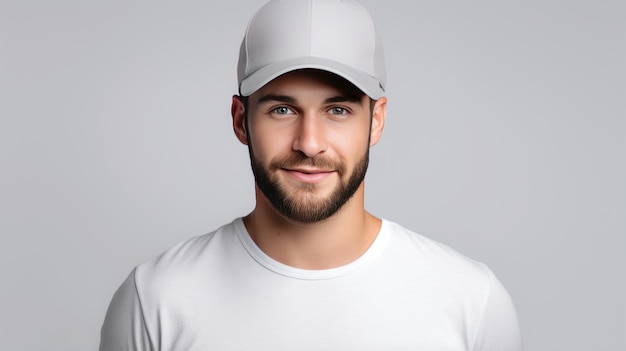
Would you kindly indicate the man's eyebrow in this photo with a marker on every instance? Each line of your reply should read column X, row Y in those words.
column 291, row 100
column 280, row 98
column 343, row 98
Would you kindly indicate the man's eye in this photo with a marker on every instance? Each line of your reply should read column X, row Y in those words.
column 338, row 111
column 282, row 110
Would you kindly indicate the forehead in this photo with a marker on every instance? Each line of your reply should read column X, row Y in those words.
column 301, row 81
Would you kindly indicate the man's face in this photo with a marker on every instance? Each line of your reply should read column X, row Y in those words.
column 309, row 135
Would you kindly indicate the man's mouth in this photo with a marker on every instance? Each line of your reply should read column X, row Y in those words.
column 308, row 175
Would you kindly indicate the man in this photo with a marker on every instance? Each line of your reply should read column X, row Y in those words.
column 309, row 268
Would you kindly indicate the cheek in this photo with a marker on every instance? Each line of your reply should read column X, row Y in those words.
column 267, row 144
column 351, row 143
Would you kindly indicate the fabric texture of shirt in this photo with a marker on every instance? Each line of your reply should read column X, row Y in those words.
column 219, row 291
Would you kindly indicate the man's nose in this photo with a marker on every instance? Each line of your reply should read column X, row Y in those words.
column 310, row 138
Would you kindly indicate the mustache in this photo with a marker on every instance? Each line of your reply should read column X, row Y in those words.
column 299, row 159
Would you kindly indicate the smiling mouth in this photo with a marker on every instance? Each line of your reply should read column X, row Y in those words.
column 308, row 171
column 308, row 175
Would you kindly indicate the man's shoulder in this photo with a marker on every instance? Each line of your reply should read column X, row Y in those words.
column 429, row 254
column 188, row 256
column 457, row 285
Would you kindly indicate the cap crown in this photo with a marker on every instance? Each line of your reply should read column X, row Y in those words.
column 332, row 35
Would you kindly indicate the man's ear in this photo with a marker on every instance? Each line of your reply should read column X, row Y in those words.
column 379, row 113
column 238, row 111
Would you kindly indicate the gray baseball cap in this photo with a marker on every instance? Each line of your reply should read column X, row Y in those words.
column 337, row 36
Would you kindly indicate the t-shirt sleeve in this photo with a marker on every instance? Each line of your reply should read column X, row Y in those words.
column 499, row 327
column 124, row 327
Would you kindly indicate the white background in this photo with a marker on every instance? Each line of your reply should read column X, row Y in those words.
column 505, row 139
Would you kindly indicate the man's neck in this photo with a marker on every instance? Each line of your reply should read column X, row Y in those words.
column 334, row 242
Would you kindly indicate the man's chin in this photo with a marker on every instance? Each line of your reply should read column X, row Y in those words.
column 306, row 208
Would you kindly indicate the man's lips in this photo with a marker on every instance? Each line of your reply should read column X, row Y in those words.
column 308, row 175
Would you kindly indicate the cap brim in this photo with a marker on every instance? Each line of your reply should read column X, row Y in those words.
column 366, row 83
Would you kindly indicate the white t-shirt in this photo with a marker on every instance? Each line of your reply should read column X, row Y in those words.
column 219, row 291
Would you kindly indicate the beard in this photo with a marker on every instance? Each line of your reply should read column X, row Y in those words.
column 303, row 205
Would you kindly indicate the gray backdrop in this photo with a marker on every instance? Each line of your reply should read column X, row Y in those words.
column 504, row 140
